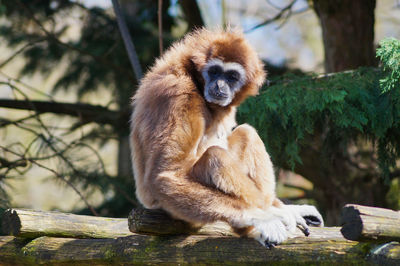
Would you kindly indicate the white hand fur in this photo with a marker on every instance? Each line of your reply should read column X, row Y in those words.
column 275, row 225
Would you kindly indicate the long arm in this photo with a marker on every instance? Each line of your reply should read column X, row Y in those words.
column 177, row 190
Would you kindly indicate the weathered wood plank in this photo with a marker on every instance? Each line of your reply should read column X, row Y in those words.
column 32, row 224
column 10, row 250
column 200, row 249
column 158, row 222
column 370, row 223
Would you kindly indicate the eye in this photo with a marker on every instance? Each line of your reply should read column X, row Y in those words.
column 214, row 71
column 232, row 76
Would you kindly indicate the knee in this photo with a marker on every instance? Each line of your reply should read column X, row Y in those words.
column 214, row 152
column 212, row 159
column 245, row 134
column 245, row 130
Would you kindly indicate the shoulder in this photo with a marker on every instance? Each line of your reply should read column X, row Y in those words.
column 167, row 87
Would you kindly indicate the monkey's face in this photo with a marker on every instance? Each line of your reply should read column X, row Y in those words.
column 222, row 81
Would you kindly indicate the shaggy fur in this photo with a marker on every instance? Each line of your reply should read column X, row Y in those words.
column 187, row 159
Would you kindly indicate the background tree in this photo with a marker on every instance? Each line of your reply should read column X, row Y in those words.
column 344, row 165
column 348, row 33
column 96, row 59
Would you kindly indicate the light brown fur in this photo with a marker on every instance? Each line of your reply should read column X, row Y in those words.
column 186, row 158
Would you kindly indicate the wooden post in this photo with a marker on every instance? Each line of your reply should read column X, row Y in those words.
column 32, row 224
column 158, row 222
column 363, row 223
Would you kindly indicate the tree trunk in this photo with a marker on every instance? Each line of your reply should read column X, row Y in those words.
column 348, row 33
column 348, row 36
column 339, row 179
column 124, row 157
column 192, row 14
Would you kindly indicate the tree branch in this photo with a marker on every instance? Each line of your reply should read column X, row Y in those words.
column 192, row 14
column 23, row 158
column 7, row 164
column 284, row 13
column 86, row 112
column 52, row 37
column 19, row 51
column 130, row 48
column 160, row 27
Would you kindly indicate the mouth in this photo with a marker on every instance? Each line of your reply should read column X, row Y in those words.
column 218, row 95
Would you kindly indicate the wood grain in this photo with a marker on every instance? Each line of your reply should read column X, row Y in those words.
column 32, row 224
column 370, row 223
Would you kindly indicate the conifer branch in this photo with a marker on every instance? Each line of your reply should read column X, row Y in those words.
column 51, row 37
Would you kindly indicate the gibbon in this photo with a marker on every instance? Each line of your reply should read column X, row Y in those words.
column 189, row 156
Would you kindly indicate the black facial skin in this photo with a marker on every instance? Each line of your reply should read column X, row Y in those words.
column 232, row 76
column 223, row 82
column 214, row 72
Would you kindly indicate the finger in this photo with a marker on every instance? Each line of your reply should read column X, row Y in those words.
column 269, row 245
column 305, row 231
column 312, row 220
column 302, row 225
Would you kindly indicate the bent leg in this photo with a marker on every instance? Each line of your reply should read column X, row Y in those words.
column 243, row 170
column 220, row 169
column 246, row 143
column 247, row 146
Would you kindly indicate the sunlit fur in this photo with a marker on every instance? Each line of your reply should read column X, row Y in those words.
column 187, row 159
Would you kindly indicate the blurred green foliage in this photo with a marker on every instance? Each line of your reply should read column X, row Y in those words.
column 346, row 106
column 389, row 53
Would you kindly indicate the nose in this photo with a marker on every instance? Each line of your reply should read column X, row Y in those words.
column 221, row 89
column 221, row 83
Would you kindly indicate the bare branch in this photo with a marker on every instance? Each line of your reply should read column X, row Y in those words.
column 4, row 163
column 19, row 51
column 86, row 112
column 133, row 58
column 56, row 174
column 12, row 80
column 50, row 36
column 284, row 13
column 160, row 27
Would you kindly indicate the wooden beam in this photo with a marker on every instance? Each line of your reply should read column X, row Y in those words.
column 196, row 249
column 211, row 244
column 158, row 222
column 32, row 224
column 366, row 223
